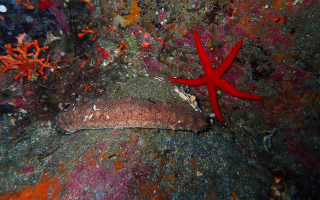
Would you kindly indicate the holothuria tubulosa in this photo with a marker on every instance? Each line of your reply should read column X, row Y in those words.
column 129, row 113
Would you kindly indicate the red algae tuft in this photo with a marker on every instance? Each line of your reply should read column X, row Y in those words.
column 44, row 4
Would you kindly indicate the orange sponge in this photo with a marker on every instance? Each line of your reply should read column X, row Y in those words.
column 48, row 188
column 134, row 14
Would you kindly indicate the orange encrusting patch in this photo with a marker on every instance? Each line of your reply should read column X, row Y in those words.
column 235, row 195
column 278, row 58
column 39, row 191
column 281, row 4
column 120, row 153
column 118, row 165
column 170, row 176
column 193, row 161
column 106, row 155
column 311, row 99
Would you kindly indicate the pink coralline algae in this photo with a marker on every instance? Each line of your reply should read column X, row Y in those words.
column 302, row 153
column 61, row 17
column 99, row 178
column 99, row 181
column 162, row 16
column 153, row 65
column 289, row 84
column 27, row 169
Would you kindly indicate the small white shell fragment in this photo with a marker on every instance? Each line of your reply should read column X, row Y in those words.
column 3, row 9
column 188, row 98
column 95, row 108
column 199, row 173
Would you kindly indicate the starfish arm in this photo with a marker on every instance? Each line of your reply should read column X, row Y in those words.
column 214, row 102
column 202, row 54
column 224, row 85
column 228, row 61
column 192, row 82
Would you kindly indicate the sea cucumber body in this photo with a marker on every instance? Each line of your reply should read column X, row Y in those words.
column 129, row 113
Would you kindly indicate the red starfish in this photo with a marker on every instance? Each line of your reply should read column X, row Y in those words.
column 213, row 77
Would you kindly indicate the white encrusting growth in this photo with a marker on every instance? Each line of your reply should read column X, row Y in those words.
column 95, row 108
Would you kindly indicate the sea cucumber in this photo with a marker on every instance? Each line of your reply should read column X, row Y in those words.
column 129, row 113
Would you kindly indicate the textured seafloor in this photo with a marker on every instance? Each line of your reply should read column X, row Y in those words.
column 130, row 113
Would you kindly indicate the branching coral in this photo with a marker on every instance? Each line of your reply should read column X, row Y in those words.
column 26, row 63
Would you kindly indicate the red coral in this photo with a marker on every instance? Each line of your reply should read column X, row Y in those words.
column 26, row 63
column 102, row 51
column 28, row 5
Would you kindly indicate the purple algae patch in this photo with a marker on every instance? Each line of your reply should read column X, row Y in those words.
column 153, row 65
column 100, row 181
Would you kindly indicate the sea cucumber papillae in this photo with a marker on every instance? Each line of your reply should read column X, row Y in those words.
column 129, row 113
